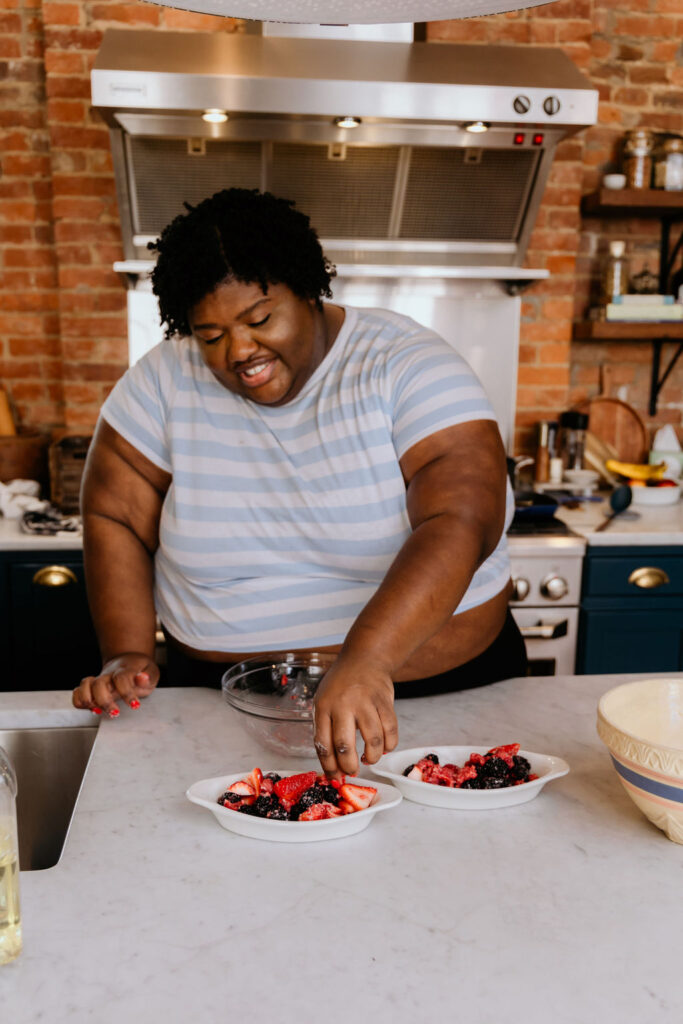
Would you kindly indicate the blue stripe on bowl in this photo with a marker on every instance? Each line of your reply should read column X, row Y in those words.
column 648, row 785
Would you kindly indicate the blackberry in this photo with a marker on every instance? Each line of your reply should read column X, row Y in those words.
column 494, row 768
column 278, row 813
column 475, row 783
column 263, row 804
column 249, row 809
column 316, row 794
column 431, row 757
column 409, row 769
column 520, row 768
column 495, row 782
column 273, row 776
column 331, row 795
column 232, row 798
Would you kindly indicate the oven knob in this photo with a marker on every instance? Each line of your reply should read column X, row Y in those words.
column 520, row 588
column 551, row 105
column 521, row 104
column 554, row 587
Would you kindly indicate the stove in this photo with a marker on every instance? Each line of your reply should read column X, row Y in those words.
column 546, row 558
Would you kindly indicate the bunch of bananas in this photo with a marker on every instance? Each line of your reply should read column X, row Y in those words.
column 636, row 470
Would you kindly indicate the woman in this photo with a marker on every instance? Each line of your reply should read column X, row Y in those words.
column 286, row 474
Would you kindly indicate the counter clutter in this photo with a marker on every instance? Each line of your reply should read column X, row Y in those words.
column 156, row 913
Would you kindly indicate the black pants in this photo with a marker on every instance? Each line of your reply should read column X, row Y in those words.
column 503, row 659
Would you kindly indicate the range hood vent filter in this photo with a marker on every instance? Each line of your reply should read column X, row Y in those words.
column 445, row 193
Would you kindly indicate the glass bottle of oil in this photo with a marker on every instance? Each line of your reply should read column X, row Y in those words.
column 10, row 915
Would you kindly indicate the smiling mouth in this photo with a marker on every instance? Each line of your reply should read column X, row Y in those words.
column 258, row 373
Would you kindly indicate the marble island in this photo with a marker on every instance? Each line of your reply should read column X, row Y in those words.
column 566, row 909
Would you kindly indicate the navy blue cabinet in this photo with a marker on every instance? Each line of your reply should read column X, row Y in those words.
column 46, row 634
column 631, row 617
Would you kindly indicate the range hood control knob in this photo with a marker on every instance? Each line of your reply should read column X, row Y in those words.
column 554, row 587
column 521, row 104
column 520, row 588
column 551, row 105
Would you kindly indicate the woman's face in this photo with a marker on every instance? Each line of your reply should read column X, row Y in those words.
column 261, row 346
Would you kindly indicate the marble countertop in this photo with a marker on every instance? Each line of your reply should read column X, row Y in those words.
column 651, row 526
column 567, row 908
column 660, row 525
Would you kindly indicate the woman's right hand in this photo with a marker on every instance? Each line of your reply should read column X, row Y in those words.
column 129, row 677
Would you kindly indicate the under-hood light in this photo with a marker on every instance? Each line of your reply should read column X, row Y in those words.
column 215, row 116
column 347, row 122
column 476, row 127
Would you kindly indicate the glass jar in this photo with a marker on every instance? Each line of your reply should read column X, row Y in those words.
column 573, row 427
column 10, row 916
column 668, row 158
column 637, row 158
column 615, row 273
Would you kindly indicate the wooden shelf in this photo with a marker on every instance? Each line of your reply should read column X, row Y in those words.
column 603, row 330
column 650, row 202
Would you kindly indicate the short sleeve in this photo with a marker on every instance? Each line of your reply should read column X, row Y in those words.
column 432, row 387
column 136, row 409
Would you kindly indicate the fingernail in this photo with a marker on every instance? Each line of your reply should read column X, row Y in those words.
column 143, row 675
column 134, row 703
column 114, row 712
column 363, row 759
column 96, row 711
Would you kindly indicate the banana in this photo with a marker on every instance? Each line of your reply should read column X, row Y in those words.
column 636, row 470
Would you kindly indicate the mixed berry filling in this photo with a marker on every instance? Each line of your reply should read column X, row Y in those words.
column 307, row 796
column 499, row 767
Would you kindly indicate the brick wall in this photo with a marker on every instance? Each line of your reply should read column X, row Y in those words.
column 62, row 308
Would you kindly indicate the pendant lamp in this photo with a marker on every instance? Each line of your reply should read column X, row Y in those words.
column 351, row 12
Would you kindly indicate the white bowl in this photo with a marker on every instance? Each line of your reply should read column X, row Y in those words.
column 586, row 478
column 641, row 724
column 649, row 496
column 391, row 766
column 205, row 793
column 614, row 181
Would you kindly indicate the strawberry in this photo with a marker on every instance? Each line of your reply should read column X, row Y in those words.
column 290, row 789
column 242, row 787
column 316, row 812
column 359, row 797
column 255, row 779
column 345, row 807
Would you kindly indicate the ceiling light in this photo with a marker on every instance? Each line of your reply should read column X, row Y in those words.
column 215, row 116
column 476, row 127
column 347, row 122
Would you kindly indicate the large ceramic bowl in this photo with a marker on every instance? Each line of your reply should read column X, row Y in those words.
column 641, row 724
column 274, row 698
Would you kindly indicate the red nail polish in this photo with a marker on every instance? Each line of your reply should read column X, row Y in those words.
column 143, row 675
column 96, row 711
column 135, row 703
column 114, row 712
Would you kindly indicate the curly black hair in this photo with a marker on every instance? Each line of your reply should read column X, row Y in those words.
column 237, row 234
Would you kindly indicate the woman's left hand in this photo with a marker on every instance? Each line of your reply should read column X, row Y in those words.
column 352, row 697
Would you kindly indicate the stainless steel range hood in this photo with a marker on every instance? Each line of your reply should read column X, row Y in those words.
column 407, row 189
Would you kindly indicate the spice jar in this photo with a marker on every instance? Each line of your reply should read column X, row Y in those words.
column 668, row 158
column 615, row 272
column 637, row 161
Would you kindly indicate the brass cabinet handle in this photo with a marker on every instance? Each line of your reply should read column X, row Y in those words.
column 54, row 576
column 648, row 576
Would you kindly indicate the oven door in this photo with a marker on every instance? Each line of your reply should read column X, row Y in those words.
column 550, row 636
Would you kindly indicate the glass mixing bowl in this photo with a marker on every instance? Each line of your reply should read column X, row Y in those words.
column 274, row 698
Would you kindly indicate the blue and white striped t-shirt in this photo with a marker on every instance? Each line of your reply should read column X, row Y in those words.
column 281, row 522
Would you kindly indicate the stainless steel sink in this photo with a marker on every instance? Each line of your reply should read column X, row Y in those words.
column 50, row 765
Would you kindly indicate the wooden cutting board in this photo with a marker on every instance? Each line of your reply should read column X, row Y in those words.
column 618, row 425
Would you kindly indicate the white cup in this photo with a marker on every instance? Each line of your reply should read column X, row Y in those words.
column 614, row 181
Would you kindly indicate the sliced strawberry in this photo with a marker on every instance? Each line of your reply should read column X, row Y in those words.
column 290, row 789
column 267, row 786
column 463, row 774
column 243, row 787
column 416, row 774
column 255, row 780
column 359, row 797
column 316, row 812
column 345, row 807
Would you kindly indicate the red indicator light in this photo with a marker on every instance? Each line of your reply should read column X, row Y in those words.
column 518, row 139
column 537, row 140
